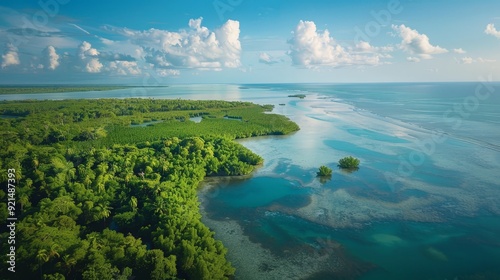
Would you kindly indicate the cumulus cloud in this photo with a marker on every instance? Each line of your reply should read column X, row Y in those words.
column 93, row 66
column 267, row 59
column 491, row 30
column 89, row 58
column 124, row 68
column 365, row 47
column 10, row 56
column 459, row 51
column 416, row 43
column 51, row 57
column 197, row 47
column 86, row 50
column 312, row 48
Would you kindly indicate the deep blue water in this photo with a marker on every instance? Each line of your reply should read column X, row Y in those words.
column 425, row 203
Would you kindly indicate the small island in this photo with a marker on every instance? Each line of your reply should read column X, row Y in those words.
column 349, row 163
column 301, row 96
column 324, row 171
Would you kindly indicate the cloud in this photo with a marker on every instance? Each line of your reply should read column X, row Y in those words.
column 459, row 51
column 93, row 66
column 365, row 47
column 416, row 43
column 32, row 32
column 10, row 56
column 413, row 59
column 491, row 30
column 51, row 57
column 124, row 68
column 79, row 28
column 167, row 72
column 312, row 48
column 29, row 35
column 89, row 58
column 267, row 59
column 85, row 50
column 196, row 47
column 470, row 60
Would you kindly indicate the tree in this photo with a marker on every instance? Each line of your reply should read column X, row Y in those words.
column 42, row 258
column 349, row 162
column 133, row 203
column 324, row 171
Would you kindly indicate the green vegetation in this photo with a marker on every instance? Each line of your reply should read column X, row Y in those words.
column 98, row 199
column 324, row 171
column 55, row 89
column 349, row 162
column 301, row 96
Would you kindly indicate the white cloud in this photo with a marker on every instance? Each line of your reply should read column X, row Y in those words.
column 312, row 48
column 470, row 60
column 93, row 66
column 416, row 43
column 365, row 47
column 167, row 72
column 89, row 58
column 491, row 30
column 196, row 47
column 124, row 68
column 459, row 51
column 267, row 59
column 86, row 49
column 467, row 60
column 413, row 59
column 52, row 58
column 10, row 57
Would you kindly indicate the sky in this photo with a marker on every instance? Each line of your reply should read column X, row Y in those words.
column 161, row 42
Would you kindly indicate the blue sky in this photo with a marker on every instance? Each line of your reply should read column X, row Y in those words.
column 244, row 41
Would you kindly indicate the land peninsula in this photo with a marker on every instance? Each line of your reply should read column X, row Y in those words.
column 99, row 198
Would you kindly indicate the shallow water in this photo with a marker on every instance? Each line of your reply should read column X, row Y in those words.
column 425, row 203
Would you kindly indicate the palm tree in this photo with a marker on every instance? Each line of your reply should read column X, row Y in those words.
column 23, row 200
column 67, row 263
column 64, row 167
column 101, row 211
column 53, row 250
column 42, row 257
column 133, row 203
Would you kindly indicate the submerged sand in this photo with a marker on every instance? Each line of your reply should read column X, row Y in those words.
column 252, row 261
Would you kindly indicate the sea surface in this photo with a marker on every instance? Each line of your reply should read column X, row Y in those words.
column 424, row 204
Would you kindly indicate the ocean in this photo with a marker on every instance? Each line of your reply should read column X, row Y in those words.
column 424, row 204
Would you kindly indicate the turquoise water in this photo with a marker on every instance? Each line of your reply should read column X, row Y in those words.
column 425, row 203
column 436, row 217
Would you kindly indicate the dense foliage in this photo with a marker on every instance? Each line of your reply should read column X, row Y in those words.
column 324, row 171
column 99, row 199
column 349, row 163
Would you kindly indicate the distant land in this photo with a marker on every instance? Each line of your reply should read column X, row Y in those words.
column 13, row 89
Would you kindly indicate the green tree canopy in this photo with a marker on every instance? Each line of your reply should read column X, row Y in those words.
column 349, row 163
column 324, row 171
